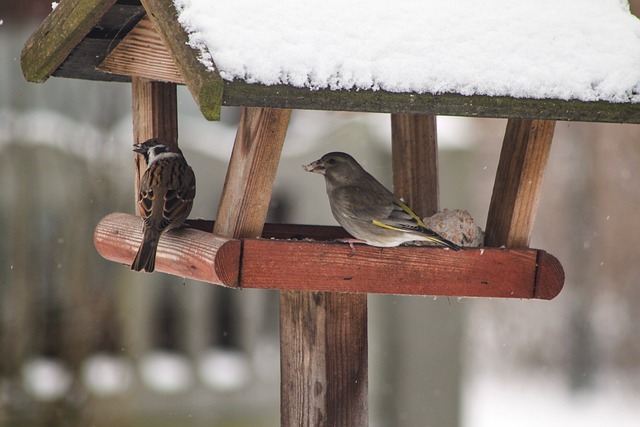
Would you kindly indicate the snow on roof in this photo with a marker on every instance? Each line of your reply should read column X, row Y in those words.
column 564, row 49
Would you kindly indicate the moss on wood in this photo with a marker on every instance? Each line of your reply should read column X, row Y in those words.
column 239, row 93
column 60, row 32
column 205, row 86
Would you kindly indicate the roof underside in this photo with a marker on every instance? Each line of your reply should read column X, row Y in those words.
column 118, row 20
column 91, row 51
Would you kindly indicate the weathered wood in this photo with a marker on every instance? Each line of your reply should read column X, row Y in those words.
column 304, row 265
column 184, row 252
column 448, row 104
column 409, row 322
column 60, row 32
column 414, row 149
column 82, row 62
column 142, row 54
column 46, row 50
column 516, row 191
column 155, row 115
column 249, row 182
column 488, row 272
column 205, row 86
column 325, row 359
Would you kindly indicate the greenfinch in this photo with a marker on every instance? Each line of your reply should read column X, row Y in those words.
column 366, row 209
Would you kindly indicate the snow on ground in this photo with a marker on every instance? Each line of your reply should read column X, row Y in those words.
column 566, row 49
column 532, row 400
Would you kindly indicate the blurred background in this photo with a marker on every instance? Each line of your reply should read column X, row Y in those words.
column 86, row 342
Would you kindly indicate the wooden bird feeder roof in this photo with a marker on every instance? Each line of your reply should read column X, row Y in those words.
column 114, row 40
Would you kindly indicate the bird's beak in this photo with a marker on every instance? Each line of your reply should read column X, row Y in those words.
column 139, row 149
column 315, row 167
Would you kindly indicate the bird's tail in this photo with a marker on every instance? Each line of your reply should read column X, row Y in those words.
column 145, row 259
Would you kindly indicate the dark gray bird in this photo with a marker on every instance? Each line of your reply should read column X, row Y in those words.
column 366, row 209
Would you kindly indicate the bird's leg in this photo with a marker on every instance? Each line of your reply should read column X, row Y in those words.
column 351, row 241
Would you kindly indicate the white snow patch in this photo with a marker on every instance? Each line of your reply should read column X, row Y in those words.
column 566, row 49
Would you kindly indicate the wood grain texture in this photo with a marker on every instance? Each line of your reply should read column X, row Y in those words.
column 549, row 278
column 331, row 267
column 155, row 115
column 516, row 191
column 414, row 145
column 60, row 32
column 205, row 86
column 252, row 169
column 142, row 53
column 325, row 359
column 239, row 93
column 184, row 252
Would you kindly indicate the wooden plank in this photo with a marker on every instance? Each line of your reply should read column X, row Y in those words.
column 414, row 152
column 516, row 191
column 142, row 53
column 82, row 61
column 449, row 104
column 304, row 265
column 249, row 182
column 155, row 115
column 44, row 53
column 60, row 32
column 324, row 358
column 330, row 267
column 184, row 252
column 205, row 86
column 241, row 94
column 410, row 322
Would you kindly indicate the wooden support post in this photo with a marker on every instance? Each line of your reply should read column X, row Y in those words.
column 323, row 359
column 415, row 161
column 516, row 191
column 252, row 169
column 408, row 320
column 155, row 115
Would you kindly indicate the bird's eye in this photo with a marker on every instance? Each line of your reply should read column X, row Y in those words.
column 332, row 161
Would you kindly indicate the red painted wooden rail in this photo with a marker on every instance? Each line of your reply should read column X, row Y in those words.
column 320, row 265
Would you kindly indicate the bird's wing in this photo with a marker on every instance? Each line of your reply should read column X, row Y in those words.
column 160, row 209
column 360, row 203
column 402, row 218
column 179, row 197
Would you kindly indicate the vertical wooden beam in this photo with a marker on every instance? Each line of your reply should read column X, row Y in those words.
column 415, row 161
column 323, row 359
column 252, row 170
column 155, row 115
column 516, row 191
column 409, row 321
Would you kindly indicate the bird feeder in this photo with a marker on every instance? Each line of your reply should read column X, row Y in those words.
column 319, row 279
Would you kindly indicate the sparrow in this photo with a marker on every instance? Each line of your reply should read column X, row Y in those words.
column 165, row 197
column 366, row 209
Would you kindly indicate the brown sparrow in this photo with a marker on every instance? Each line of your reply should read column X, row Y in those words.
column 165, row 198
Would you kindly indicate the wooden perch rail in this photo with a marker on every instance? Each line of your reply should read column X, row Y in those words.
column 330, row 266
column 186, row 252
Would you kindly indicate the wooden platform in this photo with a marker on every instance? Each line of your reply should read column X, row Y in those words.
column 288, row 263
